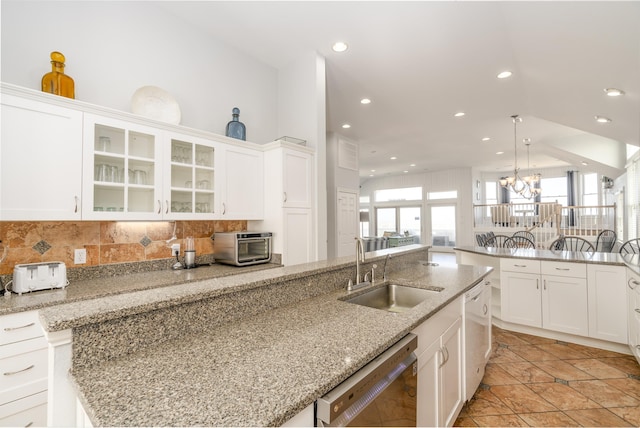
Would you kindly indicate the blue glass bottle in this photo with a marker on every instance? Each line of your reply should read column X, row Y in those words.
column 235, row 128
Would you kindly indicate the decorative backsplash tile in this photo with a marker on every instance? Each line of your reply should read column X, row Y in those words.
column 106, row 242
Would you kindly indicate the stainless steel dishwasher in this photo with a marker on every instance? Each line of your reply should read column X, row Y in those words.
column 382, row 393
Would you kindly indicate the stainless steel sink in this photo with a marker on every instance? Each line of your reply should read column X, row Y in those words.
column 393, row 297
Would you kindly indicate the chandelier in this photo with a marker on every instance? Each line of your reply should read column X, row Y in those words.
column 523, row 186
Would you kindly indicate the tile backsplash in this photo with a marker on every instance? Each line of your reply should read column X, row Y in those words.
column 106, row 242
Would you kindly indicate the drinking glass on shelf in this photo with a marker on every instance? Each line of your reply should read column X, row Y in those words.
column 203, row 184
column 114, row 173
column 103, row 144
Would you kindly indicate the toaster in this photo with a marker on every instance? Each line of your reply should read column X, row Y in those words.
column 29, row 277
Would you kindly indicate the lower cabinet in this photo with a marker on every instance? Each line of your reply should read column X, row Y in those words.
column 440, row 363
column 550, row 295
column 607, row 295
column 633, row 313
column 23, row 378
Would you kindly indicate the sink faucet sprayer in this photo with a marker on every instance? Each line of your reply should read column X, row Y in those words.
column 359, row 259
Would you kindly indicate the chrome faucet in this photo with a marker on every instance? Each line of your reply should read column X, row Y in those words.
column 384, row 270
column 359, row 258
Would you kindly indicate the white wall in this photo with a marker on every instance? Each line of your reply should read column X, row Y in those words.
column 113, row 48
column 454, row 179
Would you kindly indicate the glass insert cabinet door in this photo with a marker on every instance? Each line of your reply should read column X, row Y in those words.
column 122, row 173
column 191, row 189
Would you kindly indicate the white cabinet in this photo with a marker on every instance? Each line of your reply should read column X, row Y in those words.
column 190, row 177
column 477, row 335
column 440, row 362
column 40, row 161
column 122, row 170
column 23, row 358
column 242, row 192
column 633, row 312
column 289, row 195
column 607, row 296
column 554, row 298
column 520, row 292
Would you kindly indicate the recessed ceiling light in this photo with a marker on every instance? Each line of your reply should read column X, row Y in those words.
column 584, row 163
column 613, row 92
column 393, row 158
column 370, row 175
column 499, row 153
column 504, row 74
column 459, row 114
column 602, row 119
column 486, row 139
column 413, row 164
column 340, row 47
column 526, row 140
column 346, row 126
column 365, row 101
column 373, row 170
column 405, row 171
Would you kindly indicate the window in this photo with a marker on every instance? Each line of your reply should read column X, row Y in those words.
column 491, row 194
column 398, row 220
column 405, row 194
column 451, row 194
column 590, row 189
column 554, row 189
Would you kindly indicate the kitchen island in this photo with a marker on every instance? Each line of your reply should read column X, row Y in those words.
column 246, row 350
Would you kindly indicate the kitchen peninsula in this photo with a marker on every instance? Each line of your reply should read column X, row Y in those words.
column 586, row 298
column 253, row 349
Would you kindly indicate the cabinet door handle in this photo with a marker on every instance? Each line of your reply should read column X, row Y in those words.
column 28, row 425
column 443, row 359
column 224, row 208
column 447, row 351
column 634, row 282
column 18, row 328
column 637, row 310
column 19, row 371
column 285, row 197
column 562, row 268
column 544, row 284
column 519, row 265
column 75, row 209
column 485, row 309
column 537, row 284
column 159, row 206
column 166, row 210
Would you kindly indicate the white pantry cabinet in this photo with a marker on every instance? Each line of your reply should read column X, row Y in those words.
column 40, row 160
column 607, row 296
column 289, row 195
column 23, row 358
column 440, row 365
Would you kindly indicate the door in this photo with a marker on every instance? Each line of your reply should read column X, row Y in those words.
column 451, row 374
column 297, row 236
column 242, row 194
column 607, row 294
column 521, row 297
column 297, row 179
column 443, row 227
column 347, row 221
column 564, row 304
column 41, row 162
column 428, row 385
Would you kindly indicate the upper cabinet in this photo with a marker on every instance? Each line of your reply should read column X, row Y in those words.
column 297, row 179
column 122, row 170
column 65, row 160
column 40, row 161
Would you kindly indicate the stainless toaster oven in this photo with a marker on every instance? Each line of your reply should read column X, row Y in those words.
column 242, row 248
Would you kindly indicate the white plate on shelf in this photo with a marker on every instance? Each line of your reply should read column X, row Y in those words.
column 155, row 103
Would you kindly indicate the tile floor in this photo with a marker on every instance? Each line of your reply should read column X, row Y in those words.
column 534, row 381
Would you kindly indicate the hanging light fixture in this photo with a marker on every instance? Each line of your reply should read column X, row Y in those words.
column 525, row 187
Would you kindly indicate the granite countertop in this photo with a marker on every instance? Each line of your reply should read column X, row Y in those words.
column 259, row 371
column 632, row 261
column 86, row 289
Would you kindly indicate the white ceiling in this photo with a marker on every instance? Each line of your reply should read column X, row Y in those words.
column 420, row 62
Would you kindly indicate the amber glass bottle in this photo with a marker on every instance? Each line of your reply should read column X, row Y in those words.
column 56, row 82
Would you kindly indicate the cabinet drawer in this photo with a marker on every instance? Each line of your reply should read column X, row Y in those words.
column 23, row 374
column 27, row 411
column 574, row 270
column 520, row 265
column 20, row 326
